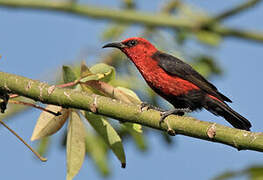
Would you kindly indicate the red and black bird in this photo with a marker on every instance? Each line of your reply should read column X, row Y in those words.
column 178, row 82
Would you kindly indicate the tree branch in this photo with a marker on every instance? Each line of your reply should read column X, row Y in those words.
column 239, row 8
column 188, row 126
column 129, row 16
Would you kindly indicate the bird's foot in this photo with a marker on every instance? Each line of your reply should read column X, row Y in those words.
column 179, row 112
column 149, row 106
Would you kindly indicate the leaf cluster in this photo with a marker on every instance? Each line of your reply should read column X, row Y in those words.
column 87, row 132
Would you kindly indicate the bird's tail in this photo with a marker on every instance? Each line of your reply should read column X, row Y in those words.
column 222, row 109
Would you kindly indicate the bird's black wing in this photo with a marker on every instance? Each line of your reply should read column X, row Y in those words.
column 175, row 66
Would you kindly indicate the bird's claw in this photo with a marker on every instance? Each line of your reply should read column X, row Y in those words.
column 144, row 105
column 179, row 112
column 149, row 106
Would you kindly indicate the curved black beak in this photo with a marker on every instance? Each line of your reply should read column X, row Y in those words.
column 118, row 45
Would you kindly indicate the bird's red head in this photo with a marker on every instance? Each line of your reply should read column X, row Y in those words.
column 136, row 48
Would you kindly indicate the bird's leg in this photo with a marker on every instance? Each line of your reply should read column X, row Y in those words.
column 149, row 106
column 176, row 111
column 179, row 112
column 164, row 114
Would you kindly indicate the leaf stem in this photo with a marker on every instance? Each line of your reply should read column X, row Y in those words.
column 14, row 133
column 35, row 106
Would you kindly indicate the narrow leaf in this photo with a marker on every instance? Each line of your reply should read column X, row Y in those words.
column 68, row 74
column 99, row 71
column 76, row 145
column 91, row 77
column 86, row 75
column 255, row 172
column 105, row 72
column 227, row 175
column 135, row 130
column 97, row 150
column 43, row 146
column 119, row 93
column 48, row 124
column 109, row 135
column 132, row 96
column 208, row 38
column 136, row 127
column 84, row 70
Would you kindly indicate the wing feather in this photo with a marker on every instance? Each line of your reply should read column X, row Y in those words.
column 175, row 66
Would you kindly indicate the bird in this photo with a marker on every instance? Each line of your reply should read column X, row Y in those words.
column 178, row 82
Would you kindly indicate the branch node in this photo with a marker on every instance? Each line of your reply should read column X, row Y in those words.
column 41, row 87
column 211, row 132
column 67, row 95
column 236, row 145
column 94, row 105
column 143, row 106
column 29, row 85
column 169, row 130
column 51, row 89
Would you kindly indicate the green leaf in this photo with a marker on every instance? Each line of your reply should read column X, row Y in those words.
column 202, row 69
column 84, row 70
column 101, row 71
column 130, row 93
column 132, row 96
column 254, row 172
column 135, row 130
column 86, row 76
column 127, row 95
column 91, row 77
column 109, row 135
column 48, row 124
column 43, row 146
column 181, row 36
column 97, row 150
column 104, row 72
column 208, row 38
column 136, row 127
column 76, row 145
column 167, row 138
column 68, row 74
column 226, row 175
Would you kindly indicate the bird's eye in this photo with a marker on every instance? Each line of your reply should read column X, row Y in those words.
column 131, row 43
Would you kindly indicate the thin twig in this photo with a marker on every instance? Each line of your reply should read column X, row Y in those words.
column 13, row 96
column 35, row 106
column 239, row 8
column 14, row 133
column 128, row 16
column 70, row 84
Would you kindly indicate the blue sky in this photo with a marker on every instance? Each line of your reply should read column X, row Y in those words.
column 33, row 43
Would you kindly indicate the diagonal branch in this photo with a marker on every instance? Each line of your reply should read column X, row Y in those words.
column 188, row 126
column 129, row 16
column 239, row 8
